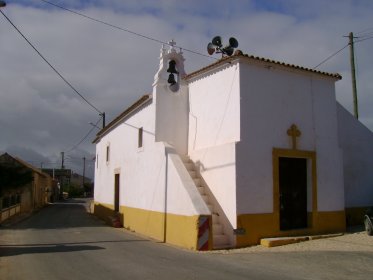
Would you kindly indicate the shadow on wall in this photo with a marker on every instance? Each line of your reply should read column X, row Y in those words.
column 228, row 228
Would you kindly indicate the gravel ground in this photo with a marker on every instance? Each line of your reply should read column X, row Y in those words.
column 355, row 240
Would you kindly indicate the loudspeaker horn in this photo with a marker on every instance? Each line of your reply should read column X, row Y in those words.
column 228, row 50
column 217, row 41
column 210, row 48
column 233, row 42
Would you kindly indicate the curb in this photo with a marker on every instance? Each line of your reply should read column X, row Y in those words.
column 280, row 241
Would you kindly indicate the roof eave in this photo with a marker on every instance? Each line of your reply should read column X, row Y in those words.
column 136, row 105
column 229, row 59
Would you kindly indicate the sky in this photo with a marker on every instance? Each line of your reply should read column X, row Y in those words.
column 41, row 116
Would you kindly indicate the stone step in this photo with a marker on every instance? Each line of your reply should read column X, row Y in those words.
column 197, row 182
column 211, row 208
column 220, row 240
column 217, row 229
column 189, row 166
column 215, row 218
column 193, row 174
column 185, row 158
column 205, row 198
column 222, row 246
column 201, row 190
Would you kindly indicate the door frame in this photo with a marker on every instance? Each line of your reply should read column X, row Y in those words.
column 117, row 192
column 311, row 183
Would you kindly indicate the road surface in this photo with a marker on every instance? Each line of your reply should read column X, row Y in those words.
column 63, row 241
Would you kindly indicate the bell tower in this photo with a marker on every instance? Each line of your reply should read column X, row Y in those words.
column 170, row 94
column 171, row 66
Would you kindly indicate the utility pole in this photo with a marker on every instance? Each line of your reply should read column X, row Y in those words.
column 83, row 171
column 103, row 119
column 62, row 179
column 62, row 160
column 353, row 76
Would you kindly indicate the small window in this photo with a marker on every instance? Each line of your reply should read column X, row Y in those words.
column 140, row 138
column 107, row 153
column 97, row 161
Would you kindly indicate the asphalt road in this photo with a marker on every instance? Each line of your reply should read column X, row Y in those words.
column 63, row 241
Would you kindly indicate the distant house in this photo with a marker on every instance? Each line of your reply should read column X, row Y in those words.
column 62, row 176
column 23, row 187
column 242, row 149
column 77, row 179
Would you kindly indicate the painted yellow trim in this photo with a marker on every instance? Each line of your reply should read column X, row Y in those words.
column 309, row 155
column 104, row 211
column 180, row 230
column 266, row 225
column 273, row 242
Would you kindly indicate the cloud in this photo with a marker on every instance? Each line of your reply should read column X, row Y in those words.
column 112, row 68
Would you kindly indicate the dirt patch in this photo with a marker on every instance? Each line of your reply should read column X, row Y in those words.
column 355, row 240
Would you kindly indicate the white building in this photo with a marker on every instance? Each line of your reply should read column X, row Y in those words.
column 242, row 149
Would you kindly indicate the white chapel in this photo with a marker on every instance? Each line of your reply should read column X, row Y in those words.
column 243, row 149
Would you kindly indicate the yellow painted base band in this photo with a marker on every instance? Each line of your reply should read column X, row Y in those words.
column 104, row 211
column 355, row 215
column 260, row 226
column 170, row 228
column 180, row 230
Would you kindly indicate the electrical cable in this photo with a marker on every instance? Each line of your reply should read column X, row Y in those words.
column 329, row 57
column 363, row 39
column 364, row 31
column 50, row 65
column 126, row 30
column 84, row 138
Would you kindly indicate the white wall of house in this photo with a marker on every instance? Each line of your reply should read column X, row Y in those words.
column 213, row 132
column 122, row 141
column 272, row 99
column 146, row 175
column 357, row 145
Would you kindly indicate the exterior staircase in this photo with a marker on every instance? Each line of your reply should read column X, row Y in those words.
column 220, row 240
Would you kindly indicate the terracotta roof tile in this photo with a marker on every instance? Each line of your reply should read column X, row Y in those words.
column 145, row 98
column 239, row 54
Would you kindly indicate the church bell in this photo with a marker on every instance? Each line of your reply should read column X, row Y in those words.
column 172, row 70
column 171, row 79
column 172, row 67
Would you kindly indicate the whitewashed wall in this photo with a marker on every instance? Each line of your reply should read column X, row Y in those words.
column 272, row 99
column 213, row 132
column 146, row 175
column 172, row 116
column 357, row 145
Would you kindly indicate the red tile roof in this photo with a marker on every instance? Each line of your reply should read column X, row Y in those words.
column 140, row 102
column 239, row 54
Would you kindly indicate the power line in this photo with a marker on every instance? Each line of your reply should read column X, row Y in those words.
column 364, row 39
column 125, row 29
column 329, row 57
column 50, row 65
column 364, row 31
column 84, row 138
